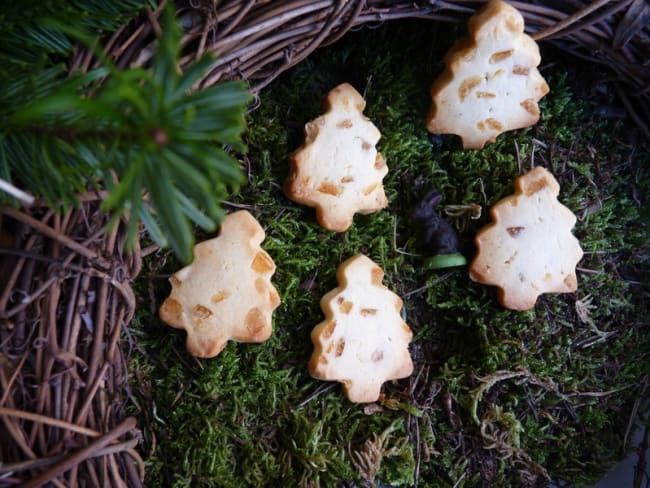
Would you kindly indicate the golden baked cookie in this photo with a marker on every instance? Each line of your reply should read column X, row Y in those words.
column 528, row 249
column 338, row 169
column 226, row 293
column 363, row 341
column 490, row 83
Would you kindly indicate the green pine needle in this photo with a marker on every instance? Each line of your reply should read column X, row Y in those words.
column 153, row 141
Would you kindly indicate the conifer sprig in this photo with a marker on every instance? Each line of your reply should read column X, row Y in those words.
column 146, row 135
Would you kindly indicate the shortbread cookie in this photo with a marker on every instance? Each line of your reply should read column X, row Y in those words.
column 226, row 293
column 363, row 340
column 491, row 83
column 528, row 249
column 338, row 169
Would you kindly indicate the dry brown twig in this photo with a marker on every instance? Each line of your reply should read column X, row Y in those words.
column 62, row 376
column 258, row 40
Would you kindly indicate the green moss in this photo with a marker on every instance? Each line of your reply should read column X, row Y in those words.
column 556, row 390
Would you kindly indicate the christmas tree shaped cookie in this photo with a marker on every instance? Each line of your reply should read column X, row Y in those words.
column 338, row 169
column 491, row 83
column 528, row 249
column 363, row 340
column 226, row 293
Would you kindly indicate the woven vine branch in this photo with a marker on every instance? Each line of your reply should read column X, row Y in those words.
column 65, row 300
column 258, row 40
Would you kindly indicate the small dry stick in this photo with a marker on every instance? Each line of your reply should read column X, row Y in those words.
column 571, row 19
column 17, row 193
column 82, row 454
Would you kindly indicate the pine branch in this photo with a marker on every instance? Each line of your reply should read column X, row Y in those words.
column 27, row 42
column 145, row 135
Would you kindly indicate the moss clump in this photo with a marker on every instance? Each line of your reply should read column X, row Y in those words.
column 497, row 398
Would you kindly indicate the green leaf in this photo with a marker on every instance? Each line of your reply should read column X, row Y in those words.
column 172, row 220
column 193, row 74
column 196, row 215
column 124, row 190
column 187, row 173
column 136, row 205
column 57, row 103
column 154, row 230
column 224, row 164
column 224, row 97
